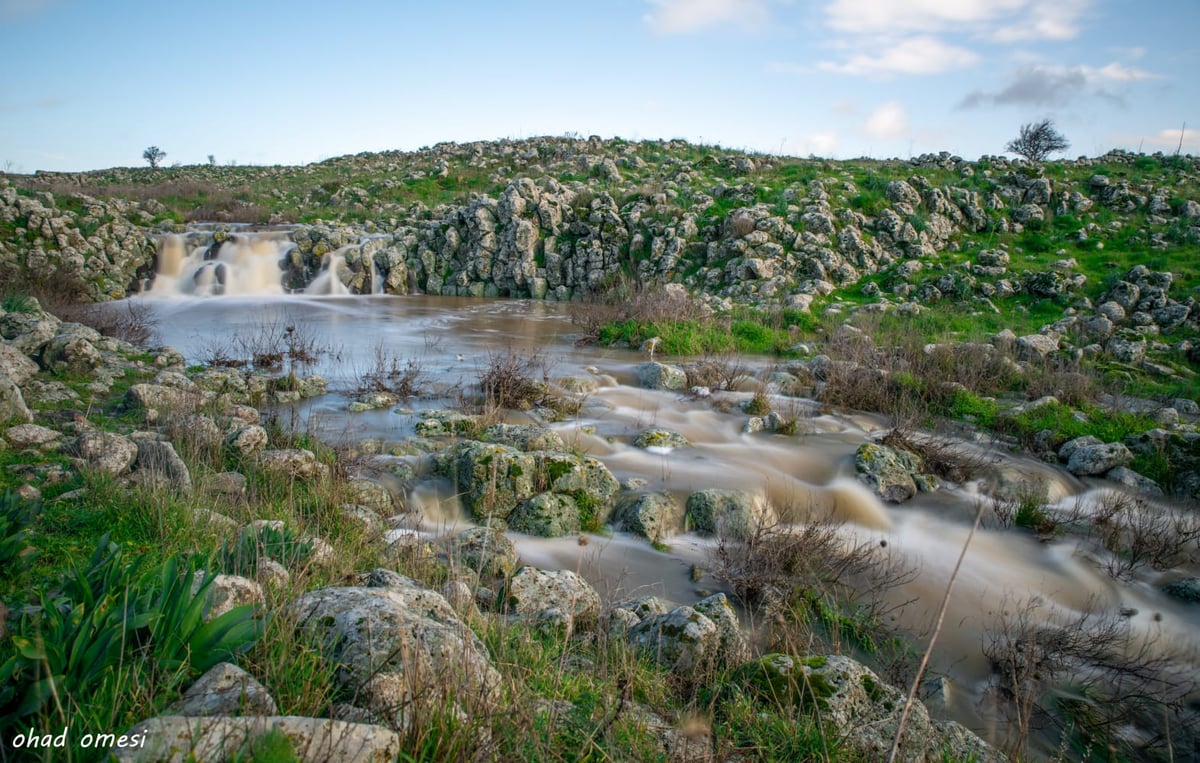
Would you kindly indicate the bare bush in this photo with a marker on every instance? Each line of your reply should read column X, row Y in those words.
column 718, row 371
column 1087, row 672
column 388, row 374
column 516, row 381
column 813, row 585
column 943, row 456
column 1137, row 533
column 132, row 321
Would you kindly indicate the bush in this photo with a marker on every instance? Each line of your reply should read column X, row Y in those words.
column 16, row 516
column 512, row 381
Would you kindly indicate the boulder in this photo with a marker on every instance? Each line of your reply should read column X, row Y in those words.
column 660, row 438
column 106, row 452
column 246, row 441
column 1187, row 590
column 526, row 437
column 297, row 463
column 12, row 402
column 655, row 375
column 16, row 365
column 1098, row 459
column 486, row 550
column 533, row 591
column 549, row 515
column 654, row 516
column 161, row 399
column 225, row 689
column 732, row 513
column 32, row 436
column 313, row 740
column 397, row 646
column 887, row 471
column 686, row 641
column 227, row 592
column 157, row 464
column 71, row 354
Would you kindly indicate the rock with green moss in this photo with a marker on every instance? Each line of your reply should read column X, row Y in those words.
column 487, row 551
column 493, row 479
column 732, row 645
column 527, row 437
column 549, row 515
column 727, row 513
column 660, row 438
column 533, row 591
column 445, row 424
column 682, row 640
column 654, row 516
column 887, row 471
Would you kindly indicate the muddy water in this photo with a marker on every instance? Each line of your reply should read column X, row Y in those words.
column 452, row 339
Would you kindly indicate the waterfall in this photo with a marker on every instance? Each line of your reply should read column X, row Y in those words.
column 329, row 281
column 243, row 264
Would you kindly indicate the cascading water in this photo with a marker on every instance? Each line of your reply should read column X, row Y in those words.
column 329, row 280
column 242, row 264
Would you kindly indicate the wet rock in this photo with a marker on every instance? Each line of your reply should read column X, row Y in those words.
column 1187, row 590
column 1131, row 479
column 655, row 375
column 654, row 516
column 660, row 438
column 313, row 740
column 225, row 689
column 533, row 591
column 887, row 471
column 728, row 513
column 549, row 515
column 445, row 424
column 526, row 437
column 106, row 452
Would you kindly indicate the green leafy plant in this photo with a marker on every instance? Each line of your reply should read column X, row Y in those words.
column 16, row 516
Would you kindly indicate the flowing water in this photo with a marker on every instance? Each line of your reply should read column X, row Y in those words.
column 452, row 340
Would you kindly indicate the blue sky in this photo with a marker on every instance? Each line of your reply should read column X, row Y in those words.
column 89, row 84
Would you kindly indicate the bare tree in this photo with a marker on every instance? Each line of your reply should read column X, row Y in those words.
column 154, row 155
column 1037, row 141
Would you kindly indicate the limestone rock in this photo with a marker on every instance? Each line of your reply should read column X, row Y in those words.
column 176, row 739
column 32, row 436
column 12, row 402
column 683, row 640
column 660, row 438
column 1097, row 459
column 549, row 515
column 487, row 551
column 106, row 452
column 227, row 592
column 16, row 365
column 157, row 463
column 225, row 689
column 246, row 441
column 296, row 463
column 654, row 516
column 655, row 375
column 398, row 645
column 533, row 591
column 887, row 471
column 732, row 513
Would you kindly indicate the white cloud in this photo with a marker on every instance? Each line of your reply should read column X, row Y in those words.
column 1116, row 72
column 917, row 55
column 1005, row 20
column 888, row 121
column 823, row 144
column 676, row 17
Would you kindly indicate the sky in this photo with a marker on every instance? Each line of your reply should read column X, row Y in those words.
column 90, row 84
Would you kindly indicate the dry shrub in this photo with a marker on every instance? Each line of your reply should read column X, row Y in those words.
column 943, row 456
column 387, row 374
column 718, row 371
column 516, row 381
column 131, row 321
column 1086, row 673
column 817, row 589
column 1138, row 533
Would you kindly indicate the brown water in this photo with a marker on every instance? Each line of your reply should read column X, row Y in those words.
column 452, row 338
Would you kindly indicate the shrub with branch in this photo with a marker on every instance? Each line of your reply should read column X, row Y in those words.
column 1037, row 140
